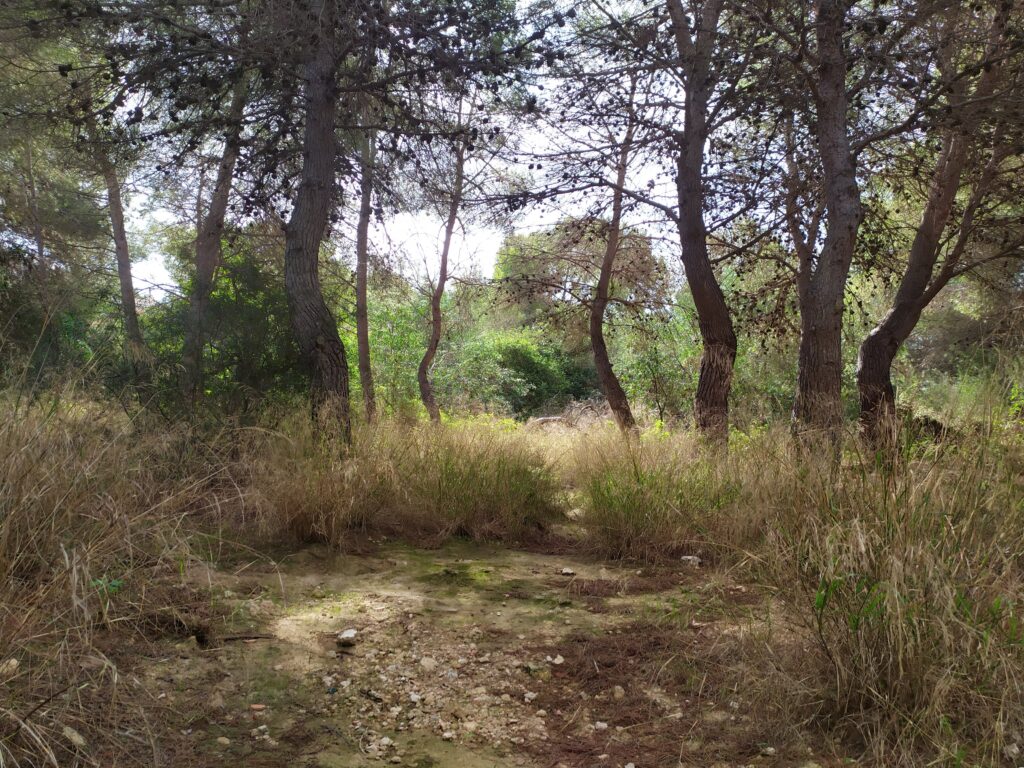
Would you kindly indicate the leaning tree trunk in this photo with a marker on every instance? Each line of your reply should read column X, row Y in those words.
column 423, row 374
column 137, row 353
column 208, row 257
column 920, row 283
column 711, row 404
column 316, row 331
column 362, row 258
column 611, row 388
column 818, row 406
column 877, row 352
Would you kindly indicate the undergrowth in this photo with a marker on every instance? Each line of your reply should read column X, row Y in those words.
column 897, row 583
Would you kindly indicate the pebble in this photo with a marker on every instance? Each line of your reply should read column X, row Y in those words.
column 568, row 572
column 428, row 664
column 600, row 726
column 691, row 560
column 558, row 660
column 447, row 735
column 618, row 692
column 223, row 741
column 767, row 751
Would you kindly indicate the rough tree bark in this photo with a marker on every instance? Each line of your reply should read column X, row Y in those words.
column 711, row 405
column 208, row 256
column 423, row 374
column 362, row 259
column 137, row 353
column 316, row 331
column 611, row 388
column 919, row 283
column 818, row 405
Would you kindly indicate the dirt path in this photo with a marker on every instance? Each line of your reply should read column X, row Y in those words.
column 468, row 657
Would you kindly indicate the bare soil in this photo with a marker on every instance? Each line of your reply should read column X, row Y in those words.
column 470, row 657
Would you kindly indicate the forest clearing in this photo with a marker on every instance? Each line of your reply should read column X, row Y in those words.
column 512, row 383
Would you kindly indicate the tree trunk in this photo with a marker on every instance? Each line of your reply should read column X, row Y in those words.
column 362, row 257
column 611, row 388
column 208, row 256
column 878, row 350
column 423, row 374
column 316, row 331
column 818, row 406
column 138, row 355
column 919, row 283
column 711, row 405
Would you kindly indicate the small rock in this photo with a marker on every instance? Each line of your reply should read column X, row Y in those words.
column 385, row 742
column 8, row 668
column 428, row 664
column 630, row 765
column 691, row 560
column 767, row 751
column 618, row 693
column 346, row 638
column 415, row 698
column 558, row 660
column 447, row 735
column 600, row 726
column 528, row 696
column 542, row 713
column 568, row 571
column 223, row 741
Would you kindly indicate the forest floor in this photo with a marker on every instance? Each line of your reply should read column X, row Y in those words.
column 466, row 656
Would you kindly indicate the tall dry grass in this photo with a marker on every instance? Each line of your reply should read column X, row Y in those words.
column 93, row 514
column 475, row 480
column 904, row 575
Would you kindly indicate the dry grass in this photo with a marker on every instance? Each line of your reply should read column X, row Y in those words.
column 908, row 576
column 659, row 496
column 424, row 482
column 91, row 542
column 904, row 576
